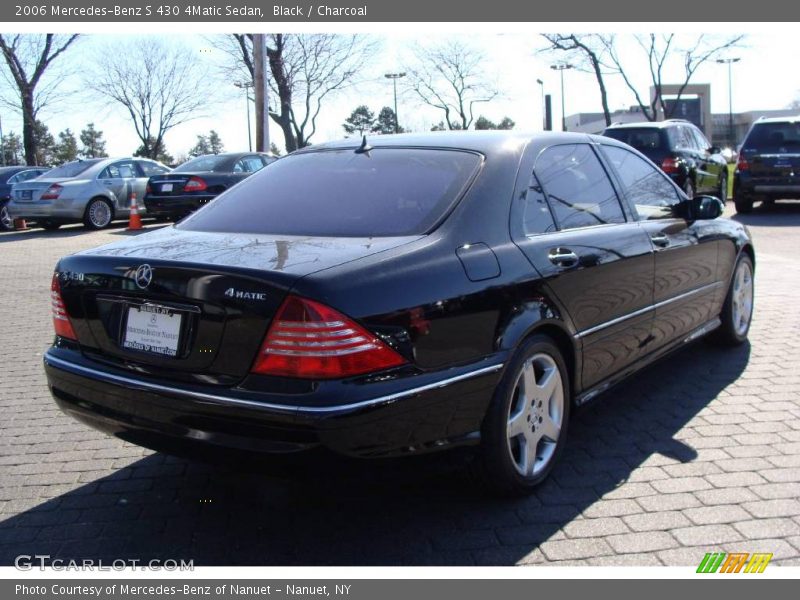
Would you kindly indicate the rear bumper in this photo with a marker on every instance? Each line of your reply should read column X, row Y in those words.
column 770, row 188
column 56, row 210
column 175, row 205
column 444, row 410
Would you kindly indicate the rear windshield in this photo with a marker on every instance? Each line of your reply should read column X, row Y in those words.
column 385, row 192
column 204, row 163
column 72, row 169
column 774, row 137
column 642, row 138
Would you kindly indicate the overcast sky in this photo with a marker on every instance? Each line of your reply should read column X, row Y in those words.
column 763, row 79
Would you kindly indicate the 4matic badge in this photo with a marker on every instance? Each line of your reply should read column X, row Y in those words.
column 242, row 295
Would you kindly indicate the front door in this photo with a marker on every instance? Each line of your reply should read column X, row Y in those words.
column 685, row 251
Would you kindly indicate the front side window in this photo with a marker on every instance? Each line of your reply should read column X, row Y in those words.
column 577, row 187
column 330, row 193
column 121, row 170
column 649, row 190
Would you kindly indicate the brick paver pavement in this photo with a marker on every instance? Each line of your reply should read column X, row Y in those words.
column 699, row 453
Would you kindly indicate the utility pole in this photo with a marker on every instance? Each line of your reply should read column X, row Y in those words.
column 246, row 85
column 544, row 116
column 731, row 128
column 394, row 77
column 561, row 67
column 261, row 92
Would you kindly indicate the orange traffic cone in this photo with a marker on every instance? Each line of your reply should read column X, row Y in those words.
column 20, row 225
column 135, row 221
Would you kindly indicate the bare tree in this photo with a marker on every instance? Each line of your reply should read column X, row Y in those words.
column 305, row 71
column 587, row 52
column 28, row 57
column 657, row 50
column 449, row 77
column 160, row 84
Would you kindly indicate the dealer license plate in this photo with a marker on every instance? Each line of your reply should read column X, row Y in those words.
column 152, row 328
column 166, row 187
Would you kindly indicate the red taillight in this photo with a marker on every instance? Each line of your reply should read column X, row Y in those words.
column 309, row 340
column 52, row 192
column 670, row 165
column 742, row 164
column 60, row 318
column 195, row 184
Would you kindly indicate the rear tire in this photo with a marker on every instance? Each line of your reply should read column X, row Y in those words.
column 744, row 204
column 98, row 214
column 526, row 425
column 737, row 310
column 6, row 222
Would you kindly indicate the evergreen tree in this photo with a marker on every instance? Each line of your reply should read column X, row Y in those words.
column 215, row 143
column 386, row 122
column 44, row 143
column 92, row 143
column 274, row 150
column 66, row 149
column 201, row 147
column 156, row 152
column 360, row 121
column 12, row 149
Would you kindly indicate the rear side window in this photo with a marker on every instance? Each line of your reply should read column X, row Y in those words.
column 641, row 138
column 577, row 187
column 774, row 138
column 72, row 169
column 151, row 169
column 385, row 192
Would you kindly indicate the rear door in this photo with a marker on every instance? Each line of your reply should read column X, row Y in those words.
column 685, row 251
column 120, row 179
column 596, row 260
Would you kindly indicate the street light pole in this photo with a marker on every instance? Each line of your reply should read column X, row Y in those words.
column 394, row 77
column 731, row 129
column 246, row 85
column 561, row 67
column 544, row 117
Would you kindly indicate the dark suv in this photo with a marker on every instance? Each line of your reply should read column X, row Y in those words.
column 682, row 152
column 769, row 163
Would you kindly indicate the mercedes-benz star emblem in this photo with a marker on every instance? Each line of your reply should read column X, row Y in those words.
column 143, row 276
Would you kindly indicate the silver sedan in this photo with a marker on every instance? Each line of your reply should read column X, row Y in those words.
column 94, row 191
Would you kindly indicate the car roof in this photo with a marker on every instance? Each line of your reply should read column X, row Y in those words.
column 790, row 119
column 650, row 124
column 491, row 142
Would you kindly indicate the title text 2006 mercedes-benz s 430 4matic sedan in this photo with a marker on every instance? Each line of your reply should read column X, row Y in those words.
column 395, row 296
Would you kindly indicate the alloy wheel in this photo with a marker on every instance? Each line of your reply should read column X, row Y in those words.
column 742, row 297
column 5, row 219
column 536, row 414
column 99, row 214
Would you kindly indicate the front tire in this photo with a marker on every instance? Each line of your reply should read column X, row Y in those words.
column 737, row 310
column 526, row 425
column 98, row 214
column 723, row 188
column 744, row 204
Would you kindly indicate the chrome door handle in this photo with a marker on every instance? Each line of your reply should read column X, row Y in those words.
column 660, row 239
column 563, row 257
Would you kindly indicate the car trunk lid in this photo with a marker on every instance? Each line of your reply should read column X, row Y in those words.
column 192, row 306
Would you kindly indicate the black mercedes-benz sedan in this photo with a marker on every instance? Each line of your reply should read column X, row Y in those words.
column 401, row 295
column 198, row 181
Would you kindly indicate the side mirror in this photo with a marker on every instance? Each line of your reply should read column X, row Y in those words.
column 705, row 207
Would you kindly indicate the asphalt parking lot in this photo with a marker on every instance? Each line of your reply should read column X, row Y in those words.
column 699, row 453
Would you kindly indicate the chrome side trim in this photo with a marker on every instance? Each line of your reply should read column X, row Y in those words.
column 217, row 399
column 646, row 309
